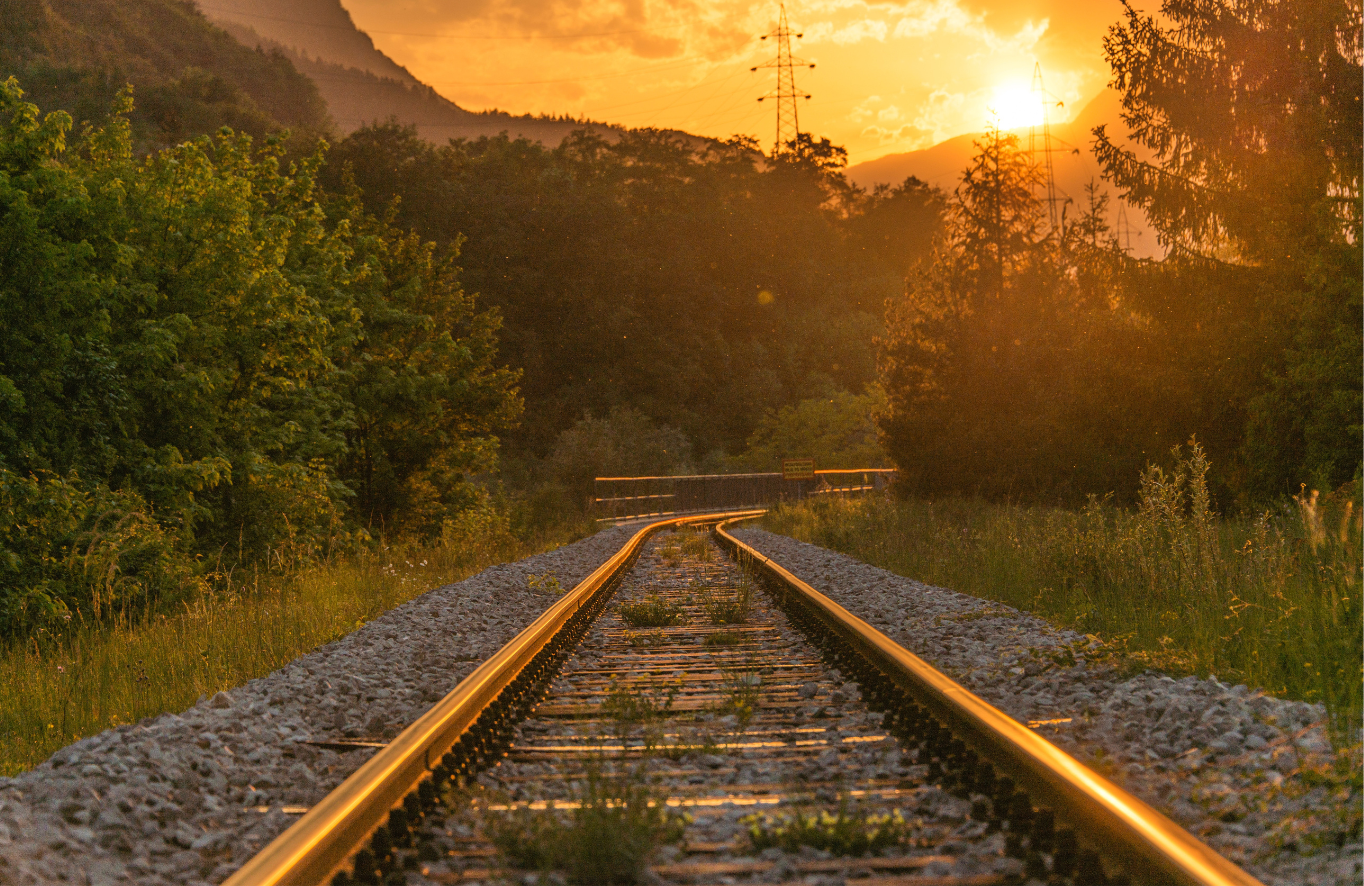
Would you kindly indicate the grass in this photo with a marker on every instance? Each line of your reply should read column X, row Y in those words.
column 844, row 833
column 57, row 689
column 631, row 708
column 606, row 839
column 695, row 545
column 728, row 610
column 1272, row 601
column 723, row 638
column 742, row 691
column 651, row 612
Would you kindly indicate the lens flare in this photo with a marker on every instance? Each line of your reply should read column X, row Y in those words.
column 1013, row 106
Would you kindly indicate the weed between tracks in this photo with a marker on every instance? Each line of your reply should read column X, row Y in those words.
column 724, row 610
column 606, row 839
column 629, row 709
column 651, row 612
column 695, row 545
column 848, row 832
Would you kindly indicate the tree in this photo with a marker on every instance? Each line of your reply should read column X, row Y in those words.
column 1006, row 362
column 1251, row 112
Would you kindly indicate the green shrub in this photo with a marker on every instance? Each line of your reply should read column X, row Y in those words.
column 71, row 552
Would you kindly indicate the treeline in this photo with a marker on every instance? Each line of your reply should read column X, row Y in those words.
column 700, row 283
column 206, row 361
column 1033, row 363
column 657, row 287
column 213, row 356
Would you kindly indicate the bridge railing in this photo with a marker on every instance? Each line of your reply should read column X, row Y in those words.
column 623, row 498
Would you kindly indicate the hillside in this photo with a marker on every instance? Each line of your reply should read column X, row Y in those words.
column 1075, row 166
column 189, row 77
column 359, row 83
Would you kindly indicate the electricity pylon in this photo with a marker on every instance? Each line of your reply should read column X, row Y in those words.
column 786, row 94
column 1044, row 100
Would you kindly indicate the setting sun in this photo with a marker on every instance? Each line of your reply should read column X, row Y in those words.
column 1014, row 105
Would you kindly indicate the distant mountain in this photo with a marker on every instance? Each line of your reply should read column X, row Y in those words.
column 189, row 77
column 1072, row 161
column 360, row 84
column 321, row 29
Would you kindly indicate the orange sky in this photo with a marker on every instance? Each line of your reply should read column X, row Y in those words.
column 891, row 76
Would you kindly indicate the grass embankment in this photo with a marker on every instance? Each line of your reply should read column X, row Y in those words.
column 1273, row 602
column 57, row 689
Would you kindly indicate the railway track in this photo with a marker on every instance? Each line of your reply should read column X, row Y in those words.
column 745, row 728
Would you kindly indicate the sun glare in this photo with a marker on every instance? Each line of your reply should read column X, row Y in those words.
column 1014, row 106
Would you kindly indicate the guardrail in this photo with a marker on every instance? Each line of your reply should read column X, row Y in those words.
column 623, row 498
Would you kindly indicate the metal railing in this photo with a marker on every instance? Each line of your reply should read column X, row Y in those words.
column 624, row 498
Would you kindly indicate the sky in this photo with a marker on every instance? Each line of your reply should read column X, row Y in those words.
column 889, row 77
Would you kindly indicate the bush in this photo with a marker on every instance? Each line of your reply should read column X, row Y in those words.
column 625, row 443
column 71, row 552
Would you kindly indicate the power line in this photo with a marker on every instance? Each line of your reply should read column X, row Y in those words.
column 788, row 122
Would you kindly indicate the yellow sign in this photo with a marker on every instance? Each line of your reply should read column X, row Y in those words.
column 798, row 469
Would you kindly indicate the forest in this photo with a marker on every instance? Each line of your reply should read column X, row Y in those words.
column 239, row 346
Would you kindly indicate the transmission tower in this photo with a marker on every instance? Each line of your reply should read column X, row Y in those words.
column 788, row 121
column 1124, row 229
column 1042, row 140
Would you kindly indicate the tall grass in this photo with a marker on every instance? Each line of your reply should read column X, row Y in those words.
column 55, row 689
column 1272, row 601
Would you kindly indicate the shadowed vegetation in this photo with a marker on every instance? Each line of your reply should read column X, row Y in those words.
column 605, row 839
column 1273, row 600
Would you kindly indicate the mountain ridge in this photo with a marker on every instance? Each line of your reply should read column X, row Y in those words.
column 360, row 84
column 942, row 164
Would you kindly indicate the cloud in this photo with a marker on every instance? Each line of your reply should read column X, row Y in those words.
column 907, row 137
column 854, row 32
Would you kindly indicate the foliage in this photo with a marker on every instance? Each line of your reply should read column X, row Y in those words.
column 838, row 431
column 1272, row 601
column 1250, row 114
column 694, row 282
column 191, row 77
column 58, row 687
column 204, row 340
column 849, row 832
column 67, row 551
column 651, row 612
column 998, row 362
column 1042, row 364
column 605, row 839
column 624, row 443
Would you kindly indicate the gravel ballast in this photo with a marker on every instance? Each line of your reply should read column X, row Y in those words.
column 187, row 798
column 1234, row 766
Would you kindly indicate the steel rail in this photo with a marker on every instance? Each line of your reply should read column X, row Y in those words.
column 1148, row 845
column 320, row 843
